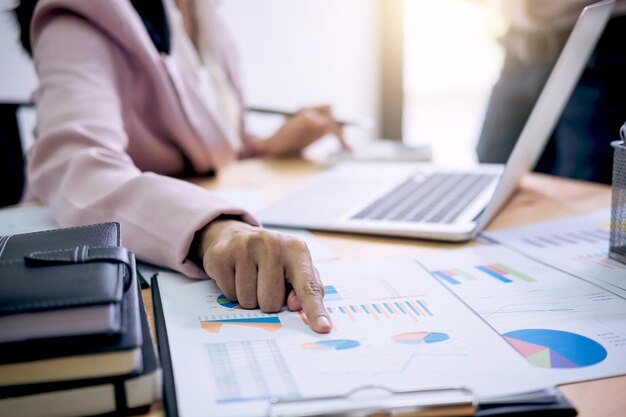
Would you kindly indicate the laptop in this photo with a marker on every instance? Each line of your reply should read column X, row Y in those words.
column 431, row 202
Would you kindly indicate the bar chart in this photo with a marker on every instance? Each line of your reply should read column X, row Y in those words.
column 500, row 272
column 267, row 323
column 454, row 276
column 331, row 293
column 600, row 259
column 504, row 273
column 580, row 236
column 577, row 244
column 387, row 310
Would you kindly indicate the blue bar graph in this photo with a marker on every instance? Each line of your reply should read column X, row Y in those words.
column 331, row 293
column 446, row 277
column 413, row 309
column 424, row 307
column 400, row 308
column 384, row 310
column 496, row 275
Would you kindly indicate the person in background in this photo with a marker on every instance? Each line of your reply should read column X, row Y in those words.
column 580, row 144
column 134, row 94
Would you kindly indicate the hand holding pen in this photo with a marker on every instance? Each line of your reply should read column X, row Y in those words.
column 300, row 130
column 361, row 123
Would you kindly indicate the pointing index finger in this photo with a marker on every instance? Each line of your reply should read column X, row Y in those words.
column 309, row 290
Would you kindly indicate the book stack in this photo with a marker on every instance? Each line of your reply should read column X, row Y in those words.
column 74, row 336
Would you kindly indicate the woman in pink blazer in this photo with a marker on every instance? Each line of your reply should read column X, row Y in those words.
column 135, row 93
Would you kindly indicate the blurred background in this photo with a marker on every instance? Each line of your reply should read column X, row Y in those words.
column 451, row 61
column 422, row 69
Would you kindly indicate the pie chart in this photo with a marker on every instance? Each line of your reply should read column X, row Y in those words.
column 331, row 345
column 418, row 338
column 556, row 349
column 225, row 302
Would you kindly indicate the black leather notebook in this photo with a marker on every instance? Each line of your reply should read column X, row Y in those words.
column 131, row 394
column 65, row 273
column 63, row 282
column 75, row 358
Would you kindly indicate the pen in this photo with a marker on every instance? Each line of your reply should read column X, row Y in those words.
column 362, row 123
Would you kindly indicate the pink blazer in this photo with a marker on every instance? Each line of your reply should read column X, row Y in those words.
column 116, row 121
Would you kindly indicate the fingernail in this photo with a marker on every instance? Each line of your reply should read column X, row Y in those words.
column 293, row 303
column 323, row 321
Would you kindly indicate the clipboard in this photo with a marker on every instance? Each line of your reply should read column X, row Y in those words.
column 169, row 390
column 428, row 403
column 377, row 401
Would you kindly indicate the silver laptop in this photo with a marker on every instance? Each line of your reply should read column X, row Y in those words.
column 431, row 202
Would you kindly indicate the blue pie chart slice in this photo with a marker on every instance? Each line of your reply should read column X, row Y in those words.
column 418, row 338
column 331, row 345
column 225, row 302
column 556, row 349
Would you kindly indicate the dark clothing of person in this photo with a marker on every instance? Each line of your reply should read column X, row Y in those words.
column 580, row 145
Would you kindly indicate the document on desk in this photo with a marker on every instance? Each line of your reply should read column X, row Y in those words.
column 394, row 326
column 577, row 244
column 567, row 328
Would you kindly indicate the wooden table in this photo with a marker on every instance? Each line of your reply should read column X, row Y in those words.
column 540, row 198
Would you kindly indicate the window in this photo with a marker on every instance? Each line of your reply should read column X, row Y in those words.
column 451, row 61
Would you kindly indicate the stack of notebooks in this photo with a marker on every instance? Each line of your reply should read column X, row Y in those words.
column 74, row 337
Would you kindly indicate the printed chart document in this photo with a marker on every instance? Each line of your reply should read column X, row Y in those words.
column 577, row 244
column 567, row 328
column 394, row 326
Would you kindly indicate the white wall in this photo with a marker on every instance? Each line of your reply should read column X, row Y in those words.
column 293, row 53
column 452, row 60
column 17, row 75
column 296, row 52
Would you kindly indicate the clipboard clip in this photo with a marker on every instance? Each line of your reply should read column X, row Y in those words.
column 380, row 401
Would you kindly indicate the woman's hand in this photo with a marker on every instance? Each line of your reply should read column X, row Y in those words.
column 299, row 131
column 252, row 266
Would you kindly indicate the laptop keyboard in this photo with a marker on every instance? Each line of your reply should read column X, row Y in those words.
column 439, row 198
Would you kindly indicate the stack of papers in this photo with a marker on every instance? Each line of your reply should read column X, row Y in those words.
column 578, row 245
column 497, row 322
column 394, row 326
column 567, row 328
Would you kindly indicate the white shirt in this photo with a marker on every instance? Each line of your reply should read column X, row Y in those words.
column 204, row 59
